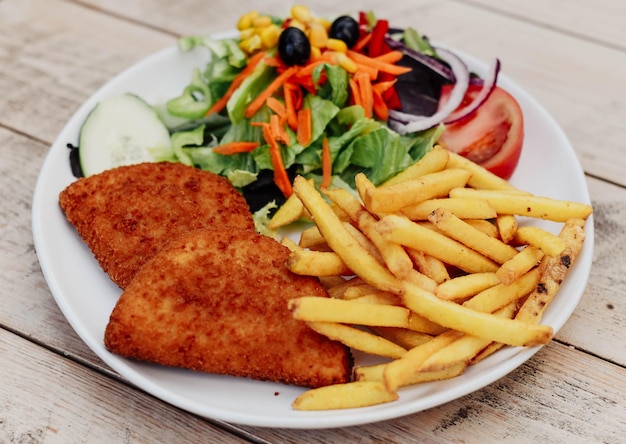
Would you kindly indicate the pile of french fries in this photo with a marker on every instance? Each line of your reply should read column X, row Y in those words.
column 433, row 271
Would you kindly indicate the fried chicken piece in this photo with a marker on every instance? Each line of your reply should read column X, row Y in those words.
column 126, row 214
column 215, row 300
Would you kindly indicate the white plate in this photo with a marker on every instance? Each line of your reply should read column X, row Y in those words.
column 86, row 296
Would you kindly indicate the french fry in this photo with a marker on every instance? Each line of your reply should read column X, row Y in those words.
column 355, row 257
column 507, row 227
column 553, row 271
column 467, row 320
column 290, row 243
column 463, row 349
column 421, row 279
column 437, row 293
column 402, row 336
column 433, row 161
column 466, row 286
column 364, row 241
column 392, row 198
column 421, row 324
column 519, row 264
column 399, row 372
column 331, row 281
column 359, row 291
column 481, row 178
column 358, row 339
column 364, row 186
column 339, row 290
column 377, row 297
column 316, row 263
column 463, row 208
column 463, row 232
column 496, row 297
column 344, row 396
column 322, row 309
column 393, row 255
column 311, row 238
column 429, row 266
column 528, row 205
column 375, row 373
column 289, row 212
column 484, row 226
column 549, row 243
column 405, row 232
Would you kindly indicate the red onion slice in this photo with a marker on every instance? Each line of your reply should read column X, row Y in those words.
column 488, row 85
column 424, row 59
column 404, row 123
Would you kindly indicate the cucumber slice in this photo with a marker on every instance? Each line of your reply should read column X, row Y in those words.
column 122, row 130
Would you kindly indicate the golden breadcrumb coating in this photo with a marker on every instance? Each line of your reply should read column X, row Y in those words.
column 126, row 214
column 215, row 300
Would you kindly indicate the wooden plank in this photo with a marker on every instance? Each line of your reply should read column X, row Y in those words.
column 600, row 21
column 554, row 397
column 80, row 402
column 56, row 54
column 599, row 318
column 46, row 398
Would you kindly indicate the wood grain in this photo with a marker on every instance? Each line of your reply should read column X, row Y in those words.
column 47, row 398
column 54, row 54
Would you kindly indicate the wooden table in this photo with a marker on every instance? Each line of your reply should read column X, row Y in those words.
column 54, row 54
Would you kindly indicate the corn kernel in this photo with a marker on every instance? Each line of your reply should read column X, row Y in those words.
column 246, row 33
column 345, row 62
column 321, row 21
column 245, row 21
column 301, row 13
column 262, row 21
column 317, row 35
column 297, row 24
column 315, row 52
column 336, row 45
column 251, row 44
column 269, row 36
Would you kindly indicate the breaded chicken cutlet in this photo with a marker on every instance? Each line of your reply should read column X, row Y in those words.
column 126, row 214
column 216, row 300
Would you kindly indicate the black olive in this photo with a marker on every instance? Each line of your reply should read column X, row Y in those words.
column 345, row 28
column 294, row 47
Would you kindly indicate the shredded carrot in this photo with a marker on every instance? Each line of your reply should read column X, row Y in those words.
column 390, row 68
column 308, row 69
column 236, row 83
column 364, row 84
column 258, row 102
column 362, row 43
column 356, row 94
column 278, row 131
column 276, row 105
column 292, row 104
column 381, row 87
column 235, row 148
column 327, row 165
column 281, row 178
column 304, row 126
column 326, row 56
column 389, row 57
column 370, row 70
column 286, row 138
column 273, row 61
column 381, row 111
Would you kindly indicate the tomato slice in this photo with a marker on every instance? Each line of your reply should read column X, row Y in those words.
column 492, row 136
